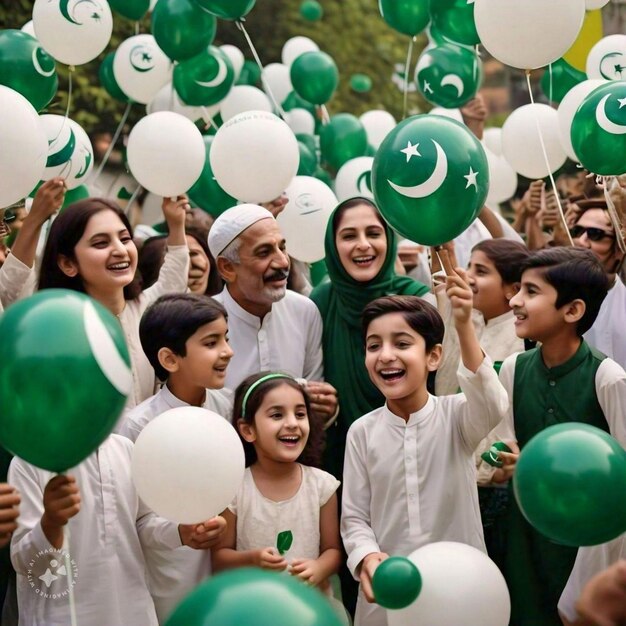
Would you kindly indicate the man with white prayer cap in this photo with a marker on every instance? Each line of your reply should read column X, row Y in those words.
column 270, row 327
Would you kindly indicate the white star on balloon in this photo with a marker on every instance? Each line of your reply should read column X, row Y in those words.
column 622, row 102
column 471, row 179
column 410, row 151
column 427, row 87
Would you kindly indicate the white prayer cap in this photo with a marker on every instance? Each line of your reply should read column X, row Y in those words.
column 230, row 224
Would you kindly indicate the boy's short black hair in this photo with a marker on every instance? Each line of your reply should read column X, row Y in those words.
column 420, row 315
column 576, row 274
column 171, row 320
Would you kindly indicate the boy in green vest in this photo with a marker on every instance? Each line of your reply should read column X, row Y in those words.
column 563, row 380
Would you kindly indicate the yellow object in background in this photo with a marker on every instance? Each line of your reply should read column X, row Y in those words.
column 590, row 34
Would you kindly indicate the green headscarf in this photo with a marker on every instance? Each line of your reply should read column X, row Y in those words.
column 341, row 301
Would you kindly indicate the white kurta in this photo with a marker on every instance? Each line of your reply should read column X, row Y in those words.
column 608, row 333
column 14, row 275
column 172, row 574
column 289, row 339
column 109, row 570
column 172, row 279
column 408, row 484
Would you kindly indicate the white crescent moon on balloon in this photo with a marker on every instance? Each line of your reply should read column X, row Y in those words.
column 612, row 74
column 364, row 184
column 38, row 67
column 222, row 71
column 455, row 81
column 604, row 122
column 431, row 185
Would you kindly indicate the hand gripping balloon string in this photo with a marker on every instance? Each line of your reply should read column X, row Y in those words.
column 407, row 67
column 444, row 261
column 70, row 575
column 132, row 199
column 268, row 89
column 116, row 136
column 545, row 156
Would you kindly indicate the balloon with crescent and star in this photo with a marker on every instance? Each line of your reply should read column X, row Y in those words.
column 448, row 75
column 354, row 178
column 598, row 130
column 607, row 59
column 27, row 68
column 430, row 179
column 206, row 79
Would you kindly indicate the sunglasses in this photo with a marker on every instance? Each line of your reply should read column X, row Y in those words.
column 593, row 234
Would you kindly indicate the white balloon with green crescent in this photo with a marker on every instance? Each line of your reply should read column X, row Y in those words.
column 141, row 68
column 74, row 32
column 430, row 179
column 599, row 130
column 354, row 178
column 607, row 59
column 448, row 75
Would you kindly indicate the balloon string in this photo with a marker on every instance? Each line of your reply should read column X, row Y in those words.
column 208, row 120
column 116, row 136
column 407, row 67
column 132, row 199
column 268, row 89
column 612, row 211
column 69, row 102
column 70, row 575
column 545, row 156
column 325, row 114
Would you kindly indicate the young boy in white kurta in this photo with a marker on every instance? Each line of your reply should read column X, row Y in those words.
column 409, row 474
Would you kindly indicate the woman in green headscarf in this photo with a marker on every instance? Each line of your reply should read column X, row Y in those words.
column 360, row 255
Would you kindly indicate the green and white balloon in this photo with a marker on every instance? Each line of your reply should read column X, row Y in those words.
column 430, row 179
column 607, row 59
column 27, row 68
column 448, row 75
column 354, row 178
column 599, row 130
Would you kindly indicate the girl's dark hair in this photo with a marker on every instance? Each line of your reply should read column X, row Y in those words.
column 66, row 231
column 312, row 453
column 507, row 255
column 350, row 204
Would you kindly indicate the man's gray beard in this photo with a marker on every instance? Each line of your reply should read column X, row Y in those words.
column 274, row 294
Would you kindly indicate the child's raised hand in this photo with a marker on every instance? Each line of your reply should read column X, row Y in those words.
column 202, row 536
column 47, row 201
column 308, row 570
column 460, row 295
column 268, row 558
column 368, row 567
column 9, row 512
column 61, row 501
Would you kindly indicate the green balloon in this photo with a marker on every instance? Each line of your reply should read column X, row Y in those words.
column 294, row 101
column 227, row 9
column 308, row 160
column 27, row 68
column 74, row 195
column 408, row 17
column 250, row 73
column 311, row 10
column 315, row 76
column 50, row 342
column 371, row 151
column 206, row 192
column 396, row 583
column 107, row 78
column 182, row 29
column 308, row 141
column 448, row 75
column 342, row 139
column 254, row 597
column 599, row 130
column 205, row 79
column 430, row 179
column 132, row 9
column 570, row 484
column 564, row 77
column 361, row 83
column 217, row 121
column 454, row 19
column 324, row 176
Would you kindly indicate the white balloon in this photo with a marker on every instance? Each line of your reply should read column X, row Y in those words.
column 592, row 5
column 242, row 98
column 24, row 147
column 460, row 586
column 236, row 57
column 606, row 59
column 378, row 124
column 528, row 34
column 354, row 178
column 453, row 114
column 300, row 121
column 296, row 46
column 254, row 156
column 303, row 221
column 521, row 145
column 165, row 153
column 492, row 139
column 567, row 109
column 141, row 68
column 502, row 179
column 74, row 32
column 275, row 78
column 167, row 100
column 188, row 464
column 29, row 29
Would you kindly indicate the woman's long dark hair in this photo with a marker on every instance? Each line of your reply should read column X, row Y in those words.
column 66, row 231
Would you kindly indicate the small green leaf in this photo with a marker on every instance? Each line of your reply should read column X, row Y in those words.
column 284, row 541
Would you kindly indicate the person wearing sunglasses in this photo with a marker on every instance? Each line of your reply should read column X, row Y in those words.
column 593, row 230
